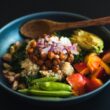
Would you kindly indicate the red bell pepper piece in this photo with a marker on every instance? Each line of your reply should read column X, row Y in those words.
column 93, row 84
column 80, row 66
column 78, row 82
column 99, row 73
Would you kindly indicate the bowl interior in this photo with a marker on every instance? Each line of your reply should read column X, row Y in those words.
column 10, row 34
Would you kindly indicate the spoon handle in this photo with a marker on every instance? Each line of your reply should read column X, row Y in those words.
column 85, row 23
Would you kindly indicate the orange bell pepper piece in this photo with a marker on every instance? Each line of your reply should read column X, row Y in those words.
column 106, row 67
column 85, row 71
column 99, row 73
column 94, row 63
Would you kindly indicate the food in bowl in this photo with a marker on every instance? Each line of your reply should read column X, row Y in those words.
column 57, row 66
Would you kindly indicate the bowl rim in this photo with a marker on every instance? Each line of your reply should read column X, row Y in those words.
column 51, row 99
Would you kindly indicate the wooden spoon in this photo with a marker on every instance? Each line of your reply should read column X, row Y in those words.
column 35, row 28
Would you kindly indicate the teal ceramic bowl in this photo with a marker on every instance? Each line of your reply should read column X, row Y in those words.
column 10, row 34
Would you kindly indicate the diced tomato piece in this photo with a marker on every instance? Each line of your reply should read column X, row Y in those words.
column 78, row 82
column 80, row 66
column 93, row 84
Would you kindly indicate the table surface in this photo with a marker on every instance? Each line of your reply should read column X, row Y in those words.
column 12, row 9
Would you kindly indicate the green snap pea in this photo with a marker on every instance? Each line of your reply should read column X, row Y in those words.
column 47, row 93
column 44, row 79
column 51, row 86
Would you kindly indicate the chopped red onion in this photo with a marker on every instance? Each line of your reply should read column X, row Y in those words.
column 56, row 44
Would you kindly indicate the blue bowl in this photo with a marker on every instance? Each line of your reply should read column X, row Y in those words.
column 10, row 34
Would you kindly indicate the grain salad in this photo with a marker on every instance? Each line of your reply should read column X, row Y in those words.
column 54, row 65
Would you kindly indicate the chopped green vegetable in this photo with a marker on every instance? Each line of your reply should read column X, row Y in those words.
column 80, row 57
column 17, row 57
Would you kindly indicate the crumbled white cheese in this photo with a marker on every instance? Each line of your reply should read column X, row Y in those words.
column 67, row 68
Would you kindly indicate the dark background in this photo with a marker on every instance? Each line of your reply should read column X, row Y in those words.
column 12, row 9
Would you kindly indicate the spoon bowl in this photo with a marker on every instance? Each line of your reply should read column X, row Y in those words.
column 10, row 34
